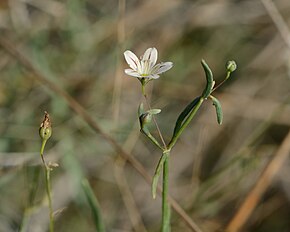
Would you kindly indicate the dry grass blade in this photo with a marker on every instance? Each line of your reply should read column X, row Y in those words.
column 278, row 20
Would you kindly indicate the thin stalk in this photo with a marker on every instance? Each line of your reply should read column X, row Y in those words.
column 154, row 120
column 165, row 203
column 48, row 188
column 42, row 150
column 25, row 220
column 220, row 84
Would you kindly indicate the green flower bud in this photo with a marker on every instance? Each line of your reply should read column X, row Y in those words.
column 231, row 66
column 146, row 117
column 45, row 129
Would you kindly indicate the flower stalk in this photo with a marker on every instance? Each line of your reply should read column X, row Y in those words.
column 45, row 132
column 165, row 186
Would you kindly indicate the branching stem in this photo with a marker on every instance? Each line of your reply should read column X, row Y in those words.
column 155, row 122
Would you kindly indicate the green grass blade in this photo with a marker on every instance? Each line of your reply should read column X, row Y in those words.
column 95, row 207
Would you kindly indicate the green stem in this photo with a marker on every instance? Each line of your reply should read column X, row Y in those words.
column 25, row 219
column 165, row 203
column 220, row 84
column 143, row 89
column 48, row 187
column 48, row 191
column 42, row 149
column 155, row 122
column 184, row 125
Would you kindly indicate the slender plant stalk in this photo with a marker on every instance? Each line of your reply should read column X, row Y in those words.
column 25, row 220
column 165, row 204
column 220, row 84
column 154, row 120
column 165, row 227
column 48, row 192
column 45, row 132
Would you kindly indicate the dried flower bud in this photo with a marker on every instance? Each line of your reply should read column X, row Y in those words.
column 51, row 165
column 231, row 66
column 45, row 129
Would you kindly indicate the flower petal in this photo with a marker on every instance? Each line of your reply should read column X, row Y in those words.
column 132, row 73
column 153, row 76
column 150, row 54
column 132, row 60
column 162, row 67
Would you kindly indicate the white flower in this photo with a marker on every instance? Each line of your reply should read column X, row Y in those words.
column 146, row 67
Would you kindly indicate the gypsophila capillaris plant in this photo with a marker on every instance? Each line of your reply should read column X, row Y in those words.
column 146, row 70
column 45, row 132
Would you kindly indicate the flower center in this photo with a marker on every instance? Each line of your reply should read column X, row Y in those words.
column 145, row 68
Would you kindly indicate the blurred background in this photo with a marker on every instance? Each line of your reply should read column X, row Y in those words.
column 78, row 45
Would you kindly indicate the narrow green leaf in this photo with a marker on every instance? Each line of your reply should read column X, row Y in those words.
column 209, row 80
column 218, row 109
column 185, row 120
column 157, row 174
column 93, row 203
column 184, row 114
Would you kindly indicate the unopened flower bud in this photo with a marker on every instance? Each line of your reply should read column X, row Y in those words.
column 145, row 119
column 231, row 66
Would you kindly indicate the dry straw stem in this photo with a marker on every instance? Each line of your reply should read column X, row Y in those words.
column 134, row 214
column 278, row 20
column 260, row 187
column 124, row 188
column 75, row 106
column 119, row 71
